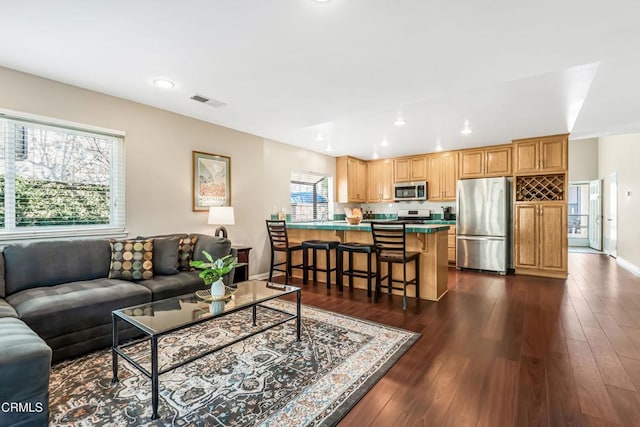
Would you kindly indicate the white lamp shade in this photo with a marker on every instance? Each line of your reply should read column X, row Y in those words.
column 221, row 215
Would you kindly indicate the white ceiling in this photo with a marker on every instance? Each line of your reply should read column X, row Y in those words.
column 290, row 70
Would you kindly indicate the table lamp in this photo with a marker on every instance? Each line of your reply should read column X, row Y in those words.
column 221, row 215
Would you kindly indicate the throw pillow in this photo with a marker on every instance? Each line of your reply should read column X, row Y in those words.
column 131, row 259
column 185, row 252
column 165, row 255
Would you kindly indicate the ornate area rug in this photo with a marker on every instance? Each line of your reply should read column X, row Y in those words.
column 269, row 379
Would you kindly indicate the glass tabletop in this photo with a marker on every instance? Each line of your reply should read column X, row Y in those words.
column 175, row 313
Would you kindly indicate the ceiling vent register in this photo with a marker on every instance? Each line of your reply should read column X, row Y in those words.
column 208, row 101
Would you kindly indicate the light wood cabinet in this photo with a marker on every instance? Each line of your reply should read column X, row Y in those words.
column 410, row 169
column 487, row 162
column 540, row 155
column 351, row 180
column 451, row 246
column 498, row 161
column 442, row 175
column 540, row 234
column 380, row 183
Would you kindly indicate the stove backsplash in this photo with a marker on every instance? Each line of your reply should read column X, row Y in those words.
column 386, row 210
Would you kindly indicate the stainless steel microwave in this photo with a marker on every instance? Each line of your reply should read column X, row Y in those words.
column 403, row 191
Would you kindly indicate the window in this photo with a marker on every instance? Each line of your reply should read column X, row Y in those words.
column 58, row 180
column 309, row 196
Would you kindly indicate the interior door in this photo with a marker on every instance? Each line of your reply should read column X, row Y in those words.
column 612, row 247
column 595, row 214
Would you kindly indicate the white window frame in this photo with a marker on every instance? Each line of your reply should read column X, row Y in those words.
column 116, row 227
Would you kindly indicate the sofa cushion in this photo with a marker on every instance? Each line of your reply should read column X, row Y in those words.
column 131, row 259
column 6, row 310
column 49, row 263
column 185, row 252
column 182, row 283
column 61, row 309
column 218, row 247
column 25, row 361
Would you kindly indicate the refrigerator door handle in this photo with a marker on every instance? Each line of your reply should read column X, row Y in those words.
column 479, row 238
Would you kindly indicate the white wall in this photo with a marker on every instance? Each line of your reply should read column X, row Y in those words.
column 583, row 159
column 621, row 154
column 158, row 150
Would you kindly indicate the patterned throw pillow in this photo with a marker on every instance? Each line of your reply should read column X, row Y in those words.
column 131, row 259
column 185, row 252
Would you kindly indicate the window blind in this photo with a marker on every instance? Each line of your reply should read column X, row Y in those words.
column 309, row 196
column 60, row 180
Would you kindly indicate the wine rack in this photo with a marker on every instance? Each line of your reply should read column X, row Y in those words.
column 540, row 188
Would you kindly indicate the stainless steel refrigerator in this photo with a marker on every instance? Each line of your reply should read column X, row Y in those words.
column 483, row 224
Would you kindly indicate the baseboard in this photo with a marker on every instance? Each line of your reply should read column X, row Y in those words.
column 628, row 266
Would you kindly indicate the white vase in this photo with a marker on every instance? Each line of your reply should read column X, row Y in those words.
column 216, row 307
column 217, row 288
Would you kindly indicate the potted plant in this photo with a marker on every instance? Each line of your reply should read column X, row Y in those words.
column 213, row 271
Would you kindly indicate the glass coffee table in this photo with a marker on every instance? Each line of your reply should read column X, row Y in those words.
column 159, row 318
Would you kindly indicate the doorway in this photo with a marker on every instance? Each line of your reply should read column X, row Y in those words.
column 578, row 211
column 595, row 214
column 612, row 220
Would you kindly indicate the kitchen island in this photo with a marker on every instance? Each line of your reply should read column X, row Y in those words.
column 428, row 239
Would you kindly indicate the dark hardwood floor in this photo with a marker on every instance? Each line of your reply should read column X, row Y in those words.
column 509, row 351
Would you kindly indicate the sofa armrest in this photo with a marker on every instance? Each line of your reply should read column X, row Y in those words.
column 6, row 310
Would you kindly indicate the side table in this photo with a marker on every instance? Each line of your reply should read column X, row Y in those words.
column 242, row 273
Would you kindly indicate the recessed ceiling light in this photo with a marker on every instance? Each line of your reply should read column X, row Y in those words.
column 466, row 130
column 384, row 142
column 328, row 148
column 319, row 138
column 400, row 122
column 375, row 156
column 164, row 83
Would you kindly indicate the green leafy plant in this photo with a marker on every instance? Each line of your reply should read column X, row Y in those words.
column 212, row 271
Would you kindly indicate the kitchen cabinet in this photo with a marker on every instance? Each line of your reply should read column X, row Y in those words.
column 540, row 234
column 540, row 155
column 488, row 162
column 351, row 180
column 380, row 182
column 410, row 169
column 442, row 176
column 451, row 245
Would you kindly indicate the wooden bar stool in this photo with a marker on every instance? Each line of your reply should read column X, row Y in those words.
column 355, row 248
column 390, row 241
column 314, row 246
column 280, row 243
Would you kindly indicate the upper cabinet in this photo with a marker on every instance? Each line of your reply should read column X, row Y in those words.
column 442, row 177
column 540, row 155
column 380, row 183
column 487, row 162
column 351, row 180
column 410, row 169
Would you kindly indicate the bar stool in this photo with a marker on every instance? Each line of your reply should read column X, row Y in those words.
column 314, row 246
column 280, row 243
column 358, row 248
column 391, row 247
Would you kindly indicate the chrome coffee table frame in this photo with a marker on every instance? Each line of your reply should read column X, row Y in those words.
column 250, row 294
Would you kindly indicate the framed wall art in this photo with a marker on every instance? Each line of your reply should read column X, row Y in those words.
column 211, row 181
